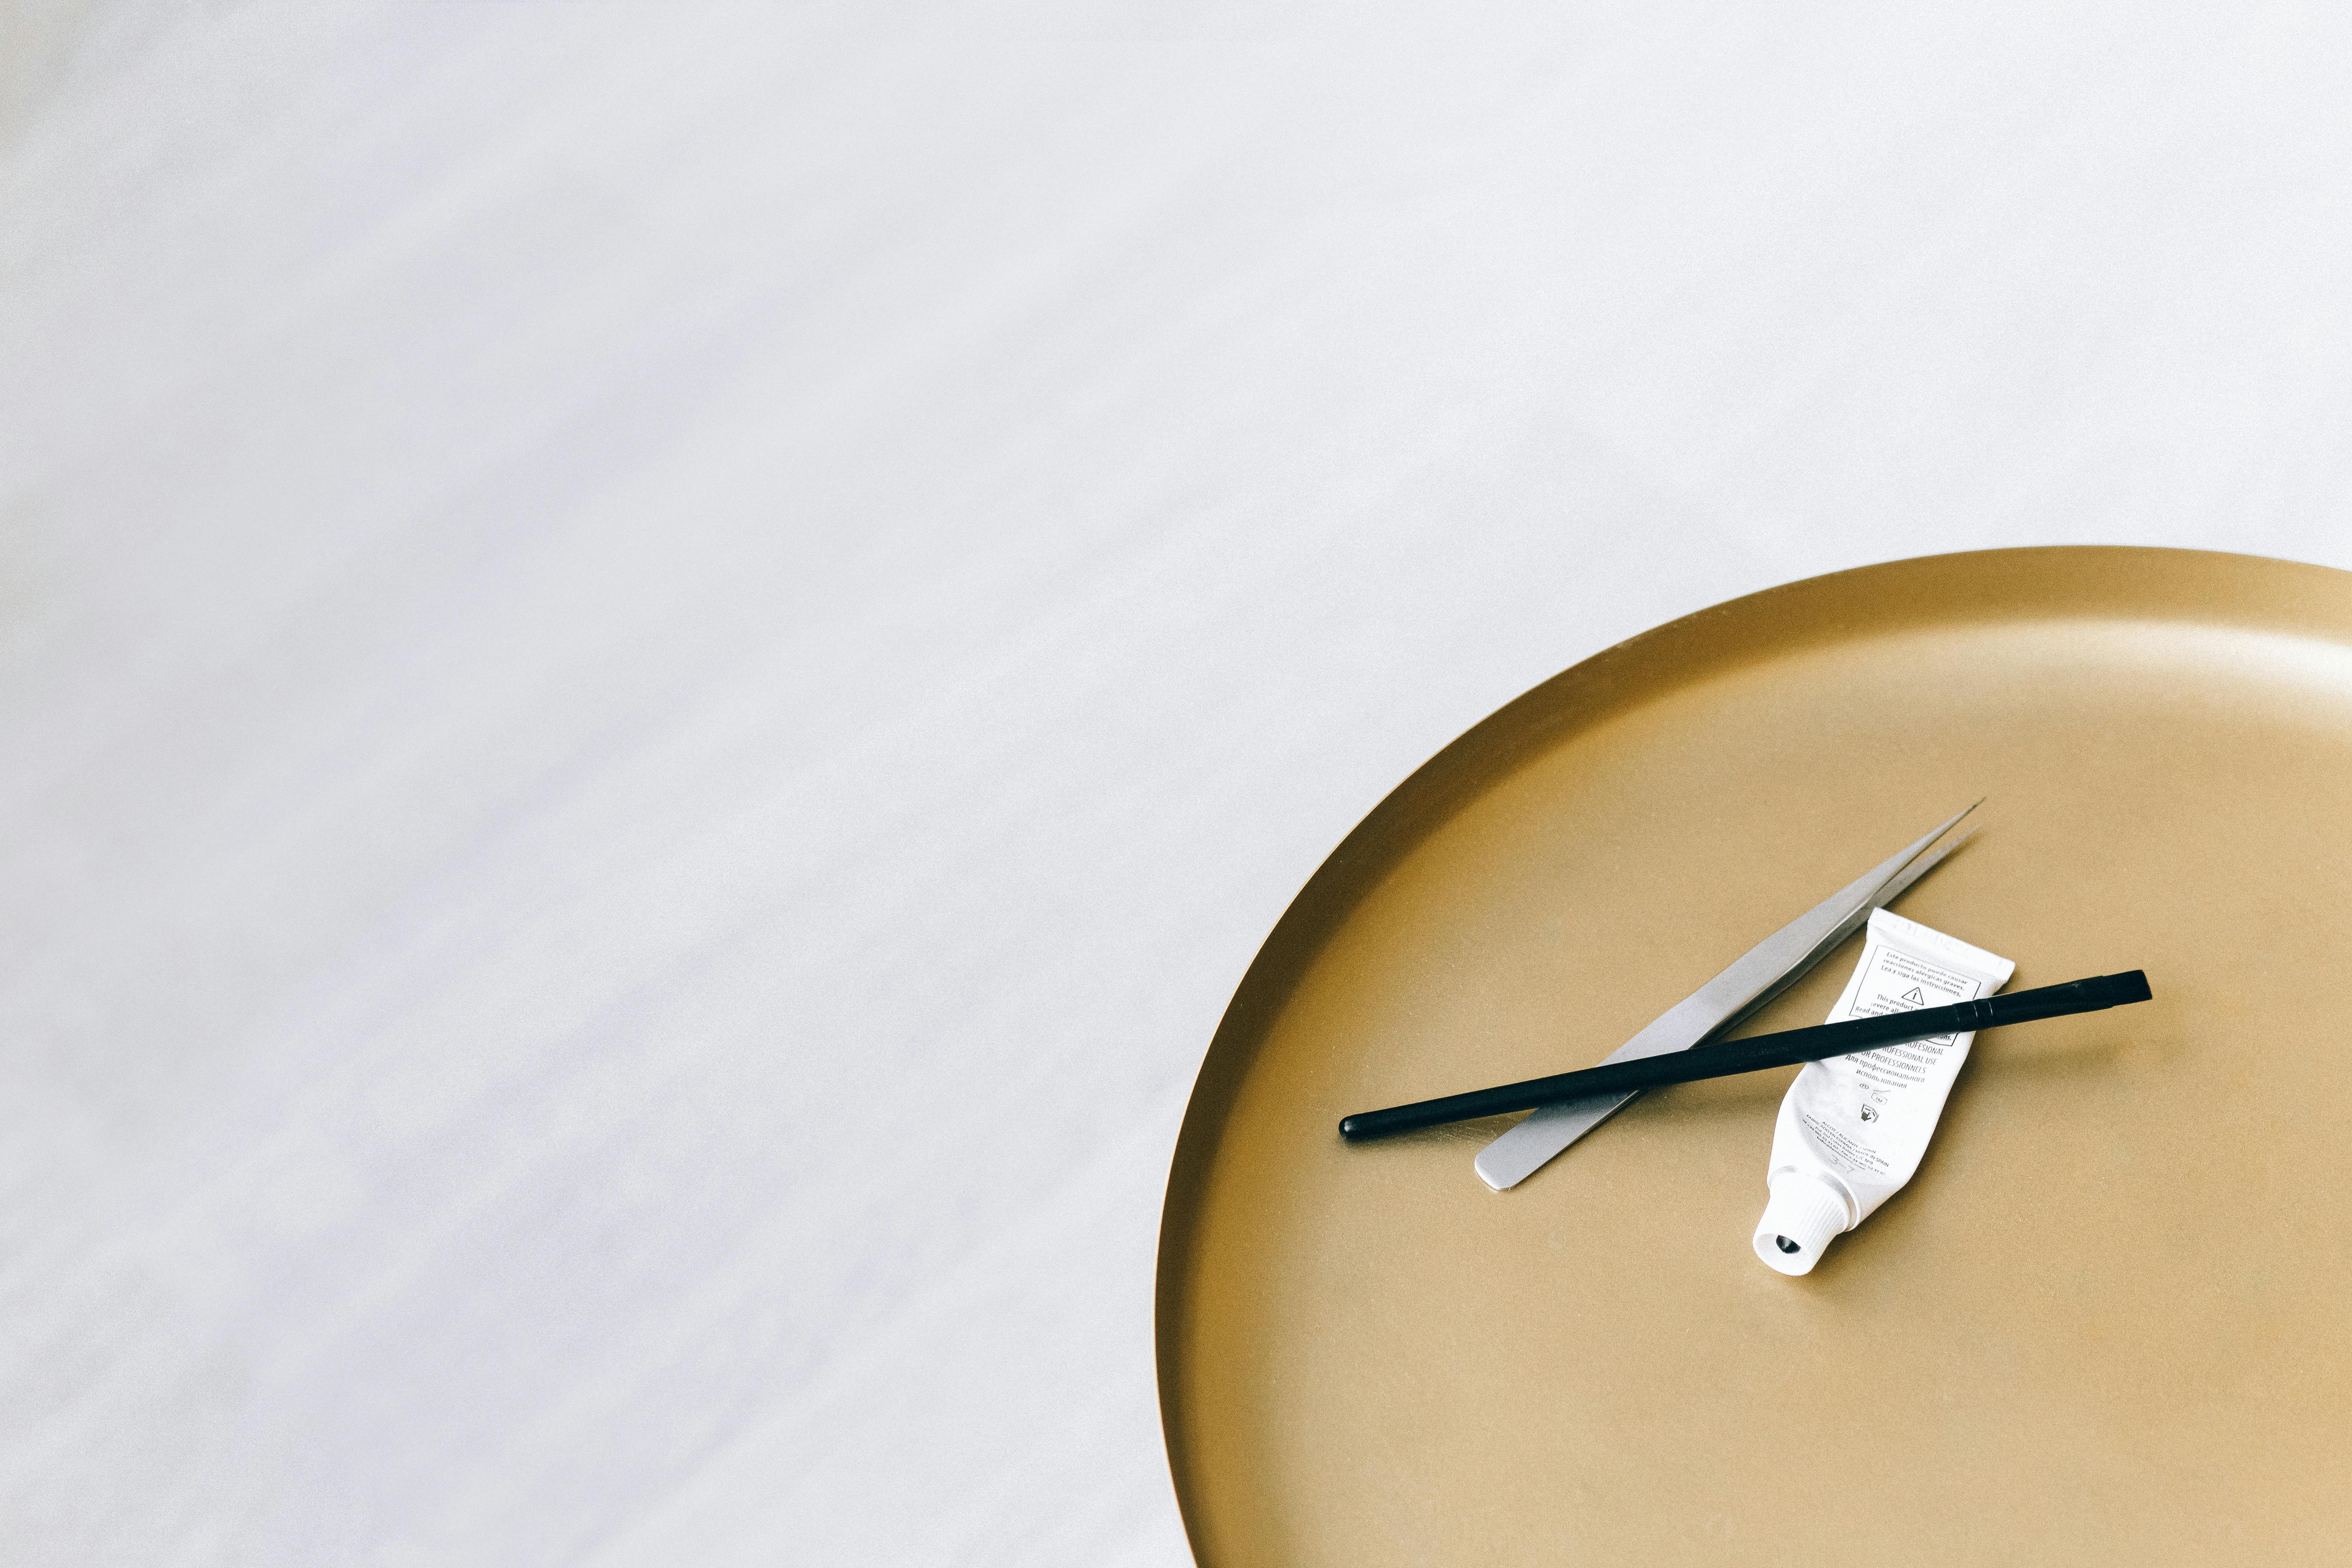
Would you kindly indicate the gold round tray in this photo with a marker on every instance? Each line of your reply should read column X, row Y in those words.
column 2107, row 1323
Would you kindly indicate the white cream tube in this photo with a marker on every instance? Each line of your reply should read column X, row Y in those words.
column 1853, row 1129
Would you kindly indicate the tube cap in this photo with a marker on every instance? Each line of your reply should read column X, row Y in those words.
column 1798, row 1222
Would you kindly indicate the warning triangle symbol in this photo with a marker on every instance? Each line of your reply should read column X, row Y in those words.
column 1914, row 997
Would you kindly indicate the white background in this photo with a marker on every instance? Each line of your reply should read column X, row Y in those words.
column 659, row 663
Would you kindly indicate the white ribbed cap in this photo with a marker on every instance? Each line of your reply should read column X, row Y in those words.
column 1804, row 1214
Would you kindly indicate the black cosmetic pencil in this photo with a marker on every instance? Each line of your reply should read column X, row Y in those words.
column 1755, row 1053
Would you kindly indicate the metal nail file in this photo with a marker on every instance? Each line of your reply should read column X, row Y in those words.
column 1768, row 968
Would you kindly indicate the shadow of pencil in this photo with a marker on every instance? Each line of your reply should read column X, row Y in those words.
column 1477, row 1134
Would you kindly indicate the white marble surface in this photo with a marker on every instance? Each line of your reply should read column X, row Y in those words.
column 658, row 664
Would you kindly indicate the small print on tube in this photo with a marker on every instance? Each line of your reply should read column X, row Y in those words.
column 1853, row 1129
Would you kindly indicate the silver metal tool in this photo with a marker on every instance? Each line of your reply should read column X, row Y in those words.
column 1768, row 968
